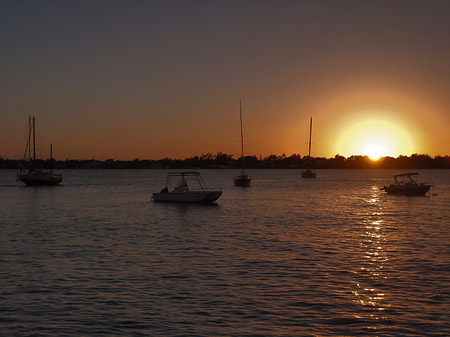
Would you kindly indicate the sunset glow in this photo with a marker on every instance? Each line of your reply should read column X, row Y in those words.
column 375, row 150
column 225, row 168
column 375, row 137
column 167, row 80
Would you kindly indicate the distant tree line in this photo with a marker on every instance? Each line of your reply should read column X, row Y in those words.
column 224, row 161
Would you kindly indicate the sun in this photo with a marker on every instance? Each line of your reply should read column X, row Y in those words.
column 374, row 136
column 375, row 150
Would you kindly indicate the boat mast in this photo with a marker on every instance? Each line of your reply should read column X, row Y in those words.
column 242, row 138
column 51, row 157
column 310, row 131
column 34, row 143
column 29, row 139
column 27, row 148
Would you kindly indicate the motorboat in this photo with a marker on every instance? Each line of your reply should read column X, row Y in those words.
column 34, row 176
column 242, row 180
column 404, row 184
column 186, row 187
column 308, row 173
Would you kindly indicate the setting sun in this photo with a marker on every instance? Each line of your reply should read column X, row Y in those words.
column 375, row 151
column 375, row 137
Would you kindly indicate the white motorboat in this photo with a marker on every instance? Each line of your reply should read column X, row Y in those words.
column 242, row 180
column 35, row 176
column 190, row 187
column 406, row 185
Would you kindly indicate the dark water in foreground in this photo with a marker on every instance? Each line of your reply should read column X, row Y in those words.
column 333, row 256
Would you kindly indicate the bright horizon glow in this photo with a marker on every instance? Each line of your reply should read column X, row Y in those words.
column 375, row 151
column 158, row 79
column 375, row 137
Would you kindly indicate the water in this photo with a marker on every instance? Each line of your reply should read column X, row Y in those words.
column 331, row 256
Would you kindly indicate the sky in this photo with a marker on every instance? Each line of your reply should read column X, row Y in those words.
column 153, row 79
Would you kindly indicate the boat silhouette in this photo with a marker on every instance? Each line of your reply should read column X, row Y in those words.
column 34, row 176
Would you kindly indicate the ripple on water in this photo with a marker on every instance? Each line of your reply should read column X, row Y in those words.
column 286, row 257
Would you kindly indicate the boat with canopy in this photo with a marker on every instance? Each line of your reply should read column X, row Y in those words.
column 404, row 184
column 186, row 187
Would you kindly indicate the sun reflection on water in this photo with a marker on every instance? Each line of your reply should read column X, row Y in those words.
column 368, row 291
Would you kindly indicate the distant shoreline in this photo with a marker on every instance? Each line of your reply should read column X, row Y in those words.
column 225, row 161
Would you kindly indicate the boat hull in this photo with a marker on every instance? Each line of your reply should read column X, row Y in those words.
column 206, row 197
column 40, row 178
column 308, row 174
column 242, row 181
column 407, row 190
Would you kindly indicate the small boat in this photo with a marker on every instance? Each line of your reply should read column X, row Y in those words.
column 182, row 192
column 242, row 180
column 35, row 176
column 406, row 185
column 308, row 173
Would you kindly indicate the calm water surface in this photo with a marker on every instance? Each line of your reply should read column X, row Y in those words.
column 332, row 256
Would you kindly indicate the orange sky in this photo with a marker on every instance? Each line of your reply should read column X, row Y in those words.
column 158, row 79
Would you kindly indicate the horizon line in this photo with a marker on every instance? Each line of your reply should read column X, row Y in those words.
column 251, row 156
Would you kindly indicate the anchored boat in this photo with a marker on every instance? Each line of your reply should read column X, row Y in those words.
column 35, row 176
column 404, row 184
column 308, row 173
column 243, row 179
column 190, row 187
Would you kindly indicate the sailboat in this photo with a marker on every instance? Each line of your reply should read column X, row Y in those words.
column 243, row 179
column 308, row 173
column 35, row 176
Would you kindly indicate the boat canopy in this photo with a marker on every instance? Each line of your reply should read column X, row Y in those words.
column 405, row 178
column 179, row 174
column 190, row 176
column 406, row 175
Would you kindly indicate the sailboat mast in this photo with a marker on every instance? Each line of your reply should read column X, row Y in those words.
column 29, row 139
column 34, row 142
column 242, row 137
column 51, row 157
column 310, row 131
